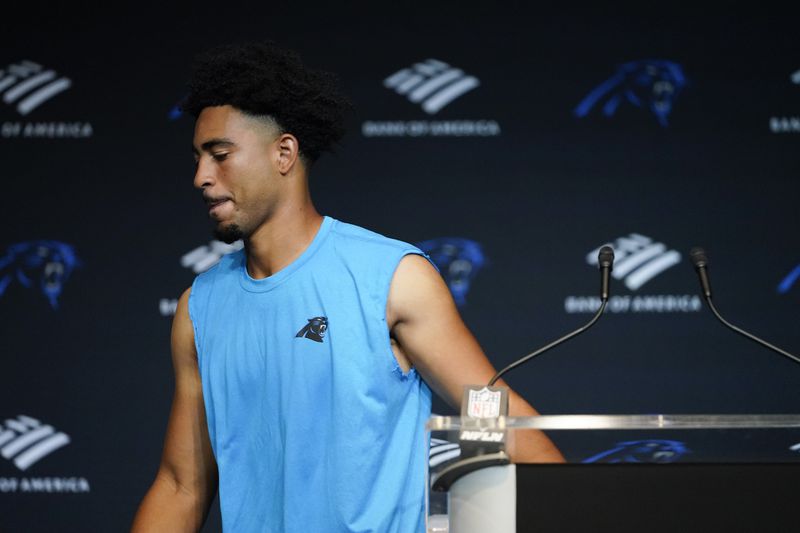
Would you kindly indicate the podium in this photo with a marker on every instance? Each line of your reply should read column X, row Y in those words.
column 476, row 491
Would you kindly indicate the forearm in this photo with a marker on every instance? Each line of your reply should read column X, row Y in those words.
column 168, row 507
column 529, row 445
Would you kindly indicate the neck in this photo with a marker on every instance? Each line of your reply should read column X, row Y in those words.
column 282, row 238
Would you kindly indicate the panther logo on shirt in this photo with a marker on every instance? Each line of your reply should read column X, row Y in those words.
column 315, row 329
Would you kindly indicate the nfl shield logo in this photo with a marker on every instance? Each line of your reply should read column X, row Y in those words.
column 484, row 403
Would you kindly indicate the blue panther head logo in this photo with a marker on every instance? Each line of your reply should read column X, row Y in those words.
column 789, row 280
column 642, row 451
column 652, row 83
column 176, row 111
column 44, row 264
column 315, row 329
column 459, row 260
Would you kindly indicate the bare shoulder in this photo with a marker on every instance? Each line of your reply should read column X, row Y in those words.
column 182, row 311
column 416, row 285
column 182, row 330
column 183, row 301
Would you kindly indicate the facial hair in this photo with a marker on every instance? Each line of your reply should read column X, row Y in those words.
column 228, row 234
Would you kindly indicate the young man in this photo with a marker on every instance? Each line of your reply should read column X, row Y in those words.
column 304, row 363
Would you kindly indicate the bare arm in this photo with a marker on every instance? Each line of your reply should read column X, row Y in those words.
column 186, row 481
column 428, row 333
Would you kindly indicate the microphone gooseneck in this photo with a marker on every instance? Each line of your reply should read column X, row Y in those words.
column 700, row 262
column 605, row 263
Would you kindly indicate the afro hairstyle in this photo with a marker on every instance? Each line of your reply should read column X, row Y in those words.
column 262, row 79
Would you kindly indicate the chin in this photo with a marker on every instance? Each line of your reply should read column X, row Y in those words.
column 229, row 233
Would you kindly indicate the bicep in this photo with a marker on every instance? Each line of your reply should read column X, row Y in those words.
column 426, row 323
column 187, row 457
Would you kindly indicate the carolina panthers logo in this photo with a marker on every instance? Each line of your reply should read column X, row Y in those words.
column 653, row 83
column 176, row 111
column 45, row 264
column 315, row 329
column 459, row 260
column 789, row 280
column 642, row 451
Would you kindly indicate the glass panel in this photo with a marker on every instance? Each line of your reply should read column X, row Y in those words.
column 605, row 439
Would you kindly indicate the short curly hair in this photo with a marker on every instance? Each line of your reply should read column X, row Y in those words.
column 262, row 79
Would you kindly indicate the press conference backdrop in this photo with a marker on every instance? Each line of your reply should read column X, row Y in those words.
column 510, row 145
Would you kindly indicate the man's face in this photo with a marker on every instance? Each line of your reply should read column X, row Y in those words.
column 236, row 170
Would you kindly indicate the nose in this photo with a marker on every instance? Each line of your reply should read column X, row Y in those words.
column 204, row 174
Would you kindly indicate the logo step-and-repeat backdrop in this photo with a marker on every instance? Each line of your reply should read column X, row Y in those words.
column 509, row 147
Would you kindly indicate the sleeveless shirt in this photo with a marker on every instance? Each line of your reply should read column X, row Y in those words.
column 313, row 424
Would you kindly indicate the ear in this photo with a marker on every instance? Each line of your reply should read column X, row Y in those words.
column 288, row 152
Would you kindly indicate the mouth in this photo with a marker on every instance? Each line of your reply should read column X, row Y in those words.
column 215, row 203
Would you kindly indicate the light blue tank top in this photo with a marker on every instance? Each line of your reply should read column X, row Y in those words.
column 314, row 426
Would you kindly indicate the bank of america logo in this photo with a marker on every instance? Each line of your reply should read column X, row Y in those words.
column 199, row 260
column 638, row 259
column 432, row 83
column 442, row 451
column 25, row 441
column 787, row 123
column 204, row 257
column 28, row 85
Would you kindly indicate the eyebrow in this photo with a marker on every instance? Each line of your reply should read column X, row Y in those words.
column 213, row 143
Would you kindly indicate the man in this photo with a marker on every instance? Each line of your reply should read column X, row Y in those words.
column 303, row 362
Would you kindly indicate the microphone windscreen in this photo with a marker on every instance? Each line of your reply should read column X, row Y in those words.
column 698, row 256
column 606, row 257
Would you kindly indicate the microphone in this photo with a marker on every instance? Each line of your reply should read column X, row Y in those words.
column 605, row 261
column 700, row 262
